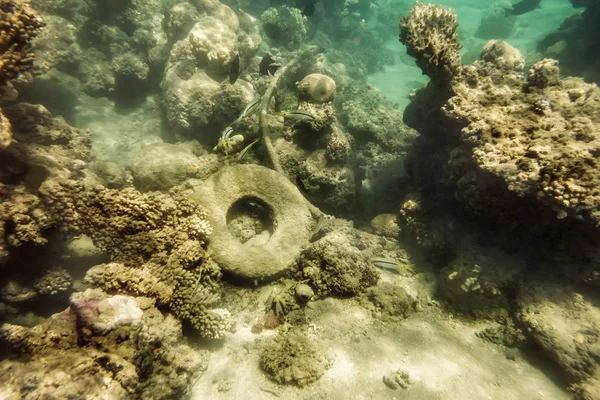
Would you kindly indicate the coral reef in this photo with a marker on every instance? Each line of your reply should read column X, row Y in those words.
column 115, row 51
column 292, row 359
column 517, row 159
column 163, row 237
column 18, row 26
column 480, row 280
column 285, row 25
column 44, row 149
column 100, row 346
column 333, row 265
column 161, row 166
column 397, row 380
column 316, row 88
column 429, row 34
column 196, row 104
column 386, row 225
column 516, row 149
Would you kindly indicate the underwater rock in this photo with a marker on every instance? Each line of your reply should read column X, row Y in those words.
column 480, row 280
column 495, row 23
column 390, row 301
column 397, row 380
column 316, row 88
column 564, row 322
column 109, row 174
column 97, row 315
column 386, row 225
column 292, row 359
column 161, row 166
column 303, row 293
column 267, row 196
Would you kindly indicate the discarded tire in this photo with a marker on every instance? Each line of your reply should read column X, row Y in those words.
column 259, row 218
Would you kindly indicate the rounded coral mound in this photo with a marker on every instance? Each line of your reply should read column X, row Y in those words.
column 316, row 88
column 292, row 359
column 334, row 265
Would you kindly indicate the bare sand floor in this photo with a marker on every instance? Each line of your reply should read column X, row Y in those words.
column 441, row 354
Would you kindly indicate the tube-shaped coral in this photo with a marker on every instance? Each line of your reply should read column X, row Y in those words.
column 19, row 24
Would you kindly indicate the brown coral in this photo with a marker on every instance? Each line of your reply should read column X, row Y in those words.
column 162, row 238
column 19, row 24
column 540, row 136
column 429, row 34
column 131, row 351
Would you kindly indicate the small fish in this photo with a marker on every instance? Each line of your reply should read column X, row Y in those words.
column 226, row 133
column 373, row 5
column 297, row 115
column 268, row 65
column 247, row 110
column 321, row 223
column 245, row 150
column 399, row 266
column 363, row 23
column 234, row 68
column 523, row 6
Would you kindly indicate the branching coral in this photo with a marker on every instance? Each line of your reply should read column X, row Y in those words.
column 164, row 238
column 19, row 24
